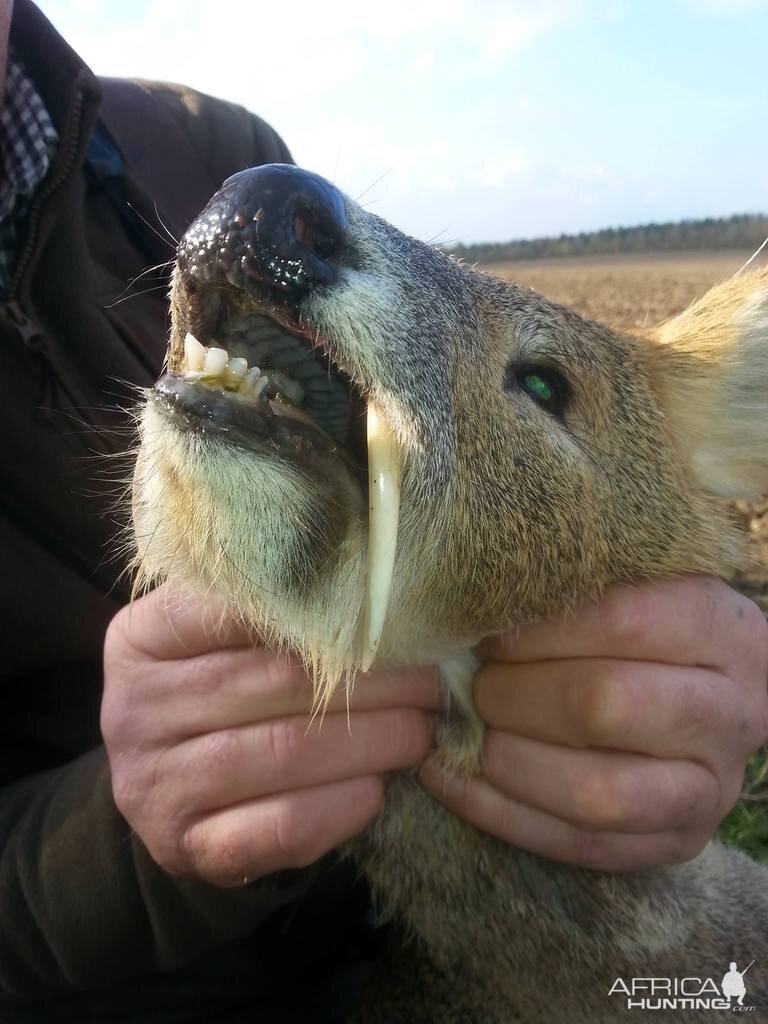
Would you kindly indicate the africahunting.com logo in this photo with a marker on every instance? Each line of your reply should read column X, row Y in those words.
column 686, row 993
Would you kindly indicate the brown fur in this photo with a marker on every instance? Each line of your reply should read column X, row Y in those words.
column 508, row 515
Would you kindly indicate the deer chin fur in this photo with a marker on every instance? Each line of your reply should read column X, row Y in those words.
column 507, row 514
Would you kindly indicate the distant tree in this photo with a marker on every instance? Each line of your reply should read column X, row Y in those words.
column 741, row 231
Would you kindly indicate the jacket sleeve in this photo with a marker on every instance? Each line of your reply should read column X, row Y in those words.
column 84, row 905
column 226, row 137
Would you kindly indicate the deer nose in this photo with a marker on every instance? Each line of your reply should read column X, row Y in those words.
column 276, row 227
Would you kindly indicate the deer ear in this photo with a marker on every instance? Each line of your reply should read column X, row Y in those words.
column 710, row 372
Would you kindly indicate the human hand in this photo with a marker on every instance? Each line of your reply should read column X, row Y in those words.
column 214, row 761
column 617, row 736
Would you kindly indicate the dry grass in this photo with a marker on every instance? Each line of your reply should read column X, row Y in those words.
column 625, row 291
column 638, row 291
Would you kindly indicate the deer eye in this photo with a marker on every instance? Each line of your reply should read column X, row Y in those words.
column 545, row 386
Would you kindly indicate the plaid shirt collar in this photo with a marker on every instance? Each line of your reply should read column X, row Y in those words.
column 27, row 144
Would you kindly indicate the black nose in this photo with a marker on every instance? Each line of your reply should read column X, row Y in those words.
column 275, row 226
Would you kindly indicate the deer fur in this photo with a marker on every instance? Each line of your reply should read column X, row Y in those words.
column 509, row 515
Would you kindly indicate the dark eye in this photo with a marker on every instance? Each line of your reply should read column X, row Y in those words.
column 545, row 386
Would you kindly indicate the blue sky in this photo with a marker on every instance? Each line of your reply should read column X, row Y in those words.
column 483, row 120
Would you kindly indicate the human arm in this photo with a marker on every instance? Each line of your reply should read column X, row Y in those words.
column 85, row 905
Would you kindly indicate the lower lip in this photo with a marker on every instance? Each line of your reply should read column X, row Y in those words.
column 263, row 424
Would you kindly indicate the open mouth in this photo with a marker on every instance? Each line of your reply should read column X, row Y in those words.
column 263, row 383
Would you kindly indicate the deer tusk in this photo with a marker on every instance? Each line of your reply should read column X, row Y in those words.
column 383, row 516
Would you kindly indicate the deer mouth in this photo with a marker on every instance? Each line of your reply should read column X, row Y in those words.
column 263, row 380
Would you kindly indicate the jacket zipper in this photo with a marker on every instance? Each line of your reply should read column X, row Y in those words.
column 27, row 329
column 34, row 339
column 35, row 214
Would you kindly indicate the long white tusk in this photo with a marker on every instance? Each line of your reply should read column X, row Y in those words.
column 383, row 516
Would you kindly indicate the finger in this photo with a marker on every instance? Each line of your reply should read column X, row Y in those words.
column 169, row 623
column 264, row 685
column 247, row 762
column 646, row 708
column 242, row 843
column 606, row 791
column 476, row 801
column 690, row 621
column 234, row 687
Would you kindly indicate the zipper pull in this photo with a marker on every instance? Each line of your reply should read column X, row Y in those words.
column 26, row 328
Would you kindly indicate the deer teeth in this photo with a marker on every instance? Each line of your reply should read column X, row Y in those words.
column 194, row 354
column 383, row 517
column 216, row 360
column 235, row 371
column 214, row 367
column 250, row 380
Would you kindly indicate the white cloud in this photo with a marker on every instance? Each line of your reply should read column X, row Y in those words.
column 496, row 170
column 421, row 67
column 301, row 50
column 517, row 26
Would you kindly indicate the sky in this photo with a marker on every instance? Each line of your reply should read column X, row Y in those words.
column 477, row 120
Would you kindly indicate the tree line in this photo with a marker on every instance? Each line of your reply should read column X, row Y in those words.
column 741, row 231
